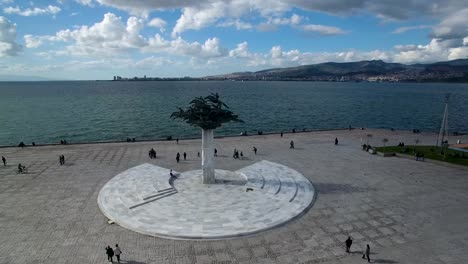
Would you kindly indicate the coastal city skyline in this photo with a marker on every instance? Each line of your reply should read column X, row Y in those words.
column 86, row 39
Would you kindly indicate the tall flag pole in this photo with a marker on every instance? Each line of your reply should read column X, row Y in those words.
column 443, row 133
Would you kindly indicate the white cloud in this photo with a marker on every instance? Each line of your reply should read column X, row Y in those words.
column 273, row 23
column 241, row 51
column 50, row 9
column 8, row 45
column 194, row 18
column 401, row 30
column 210, row 49
column 323, row 30
column 85, row 2
column 454, row 26
column 105, row 38
column 157, row 23
column 436, row 50
column 238, row 24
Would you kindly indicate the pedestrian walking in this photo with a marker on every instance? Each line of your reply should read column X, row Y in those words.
column 366, row 253
column 336, row 141
column 177, row 157
column 255, row 150
column 198, row 154
column 117, row 252
column 216, row 153
column 177, row 140
column 63, row 159
column 4, row 161
column 185, row 156
column 281, row 133
column 110, row 254
column 348, row 242
column 242, row 155
column 60, row 160
column 291, row 144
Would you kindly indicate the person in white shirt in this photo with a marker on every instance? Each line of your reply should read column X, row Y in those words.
column 117, row 252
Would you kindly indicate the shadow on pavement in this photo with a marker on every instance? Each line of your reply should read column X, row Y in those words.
column 382, row 261
column 331, row 188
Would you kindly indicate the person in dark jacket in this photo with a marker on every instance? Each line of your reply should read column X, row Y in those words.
column 110, row 254
column 348, row 242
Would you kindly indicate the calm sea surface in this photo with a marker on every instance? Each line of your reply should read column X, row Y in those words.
column 45, row 112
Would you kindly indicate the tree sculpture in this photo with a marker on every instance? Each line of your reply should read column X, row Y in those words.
column 207, row 113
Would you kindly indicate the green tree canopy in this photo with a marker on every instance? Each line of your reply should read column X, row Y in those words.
column 206, row 112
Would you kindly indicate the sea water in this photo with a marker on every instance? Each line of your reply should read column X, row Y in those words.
column 87, row 111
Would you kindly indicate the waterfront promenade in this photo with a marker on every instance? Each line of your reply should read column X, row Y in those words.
column 408, row 211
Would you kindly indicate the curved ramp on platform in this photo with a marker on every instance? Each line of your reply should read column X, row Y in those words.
column 259, row 197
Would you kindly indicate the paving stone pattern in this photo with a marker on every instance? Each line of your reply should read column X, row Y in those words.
column 408, row 211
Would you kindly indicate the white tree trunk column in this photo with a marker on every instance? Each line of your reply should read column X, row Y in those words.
column 208, row 156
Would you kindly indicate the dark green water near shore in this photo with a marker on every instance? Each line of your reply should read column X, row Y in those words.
column 46, row 112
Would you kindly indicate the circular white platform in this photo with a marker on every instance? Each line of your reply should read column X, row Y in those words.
column 147, row 200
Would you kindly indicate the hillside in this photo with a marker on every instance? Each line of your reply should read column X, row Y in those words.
column 375, row 70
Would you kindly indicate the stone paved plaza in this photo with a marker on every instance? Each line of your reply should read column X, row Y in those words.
column 408, row 211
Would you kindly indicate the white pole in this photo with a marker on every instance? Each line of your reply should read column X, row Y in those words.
column 208, row 156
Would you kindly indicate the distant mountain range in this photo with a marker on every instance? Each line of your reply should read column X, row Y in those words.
column 370, row 71
column 22, row 78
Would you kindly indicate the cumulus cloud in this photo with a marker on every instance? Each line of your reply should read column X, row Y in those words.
column 8, row 45
column 157, row 23
column 323, row 30
column 107, row 37
column 210, row 49
column 50, row 9
column 241, row 51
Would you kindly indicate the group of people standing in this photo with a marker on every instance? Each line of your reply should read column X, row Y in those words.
column 111, row 252
column 365, row 253
column 236, row 154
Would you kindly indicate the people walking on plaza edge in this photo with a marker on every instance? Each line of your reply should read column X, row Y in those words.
column 242, row 155
column 110, row 254
column 117, row 252
column 215, row 153
column 60, row 160
column 185, row 155
column 236, row 154
column 348, row 242
column 255, row 150
column 198, row 153
column 152, row 153
column 177, row 140
column 336, row 141
column 4, row 161
column 281, row 133
column 178, row 157
column 291, row 144
column 366, row 253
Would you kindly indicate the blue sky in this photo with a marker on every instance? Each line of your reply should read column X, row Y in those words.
column 97, row 39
